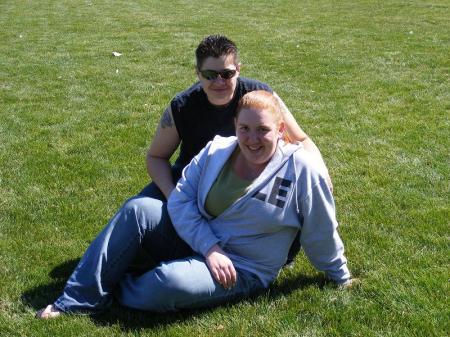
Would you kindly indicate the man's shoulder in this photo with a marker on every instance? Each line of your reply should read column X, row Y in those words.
column 249, row 84
column 193, row 93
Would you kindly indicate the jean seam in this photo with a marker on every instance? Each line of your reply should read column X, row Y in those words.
column 134, row 238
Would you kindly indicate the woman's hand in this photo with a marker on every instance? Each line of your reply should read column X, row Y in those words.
column 221, row 267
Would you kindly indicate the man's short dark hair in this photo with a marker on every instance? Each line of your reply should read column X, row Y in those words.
column 215, row 46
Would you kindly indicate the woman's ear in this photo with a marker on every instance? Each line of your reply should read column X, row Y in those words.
column 281, row 129
column 283, row 134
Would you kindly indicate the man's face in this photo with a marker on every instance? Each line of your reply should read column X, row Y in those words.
column 219, row 90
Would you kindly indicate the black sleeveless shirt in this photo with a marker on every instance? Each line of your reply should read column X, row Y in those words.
column 198, row 121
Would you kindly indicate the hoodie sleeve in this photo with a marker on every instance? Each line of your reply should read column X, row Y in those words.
column 182, row 205
column 319, row 237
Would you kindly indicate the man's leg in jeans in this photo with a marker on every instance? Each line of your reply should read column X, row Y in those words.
column 152, row 190
column 141, row 220
column 144, row 261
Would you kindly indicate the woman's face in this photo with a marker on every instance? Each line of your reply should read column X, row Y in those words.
column 258, row 132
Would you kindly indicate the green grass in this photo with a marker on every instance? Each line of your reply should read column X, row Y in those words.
column 367, row 80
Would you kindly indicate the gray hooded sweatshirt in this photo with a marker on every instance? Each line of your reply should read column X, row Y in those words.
column 257, row 230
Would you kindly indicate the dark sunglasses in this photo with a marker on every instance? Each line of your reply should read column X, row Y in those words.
column 212, row 74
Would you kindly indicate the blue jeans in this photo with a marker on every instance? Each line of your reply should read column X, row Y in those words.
column 179, row 278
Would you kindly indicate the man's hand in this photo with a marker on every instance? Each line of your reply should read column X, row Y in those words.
column 221, row 267
column 330, row 184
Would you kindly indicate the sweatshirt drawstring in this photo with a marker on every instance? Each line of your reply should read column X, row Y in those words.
column 297, row 208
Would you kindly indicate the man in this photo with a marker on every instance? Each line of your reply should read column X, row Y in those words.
column 204, row 110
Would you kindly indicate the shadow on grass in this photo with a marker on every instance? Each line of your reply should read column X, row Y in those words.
column 42, row 295
column 130, row 319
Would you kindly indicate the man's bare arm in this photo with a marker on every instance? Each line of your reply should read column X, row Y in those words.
column 163, row 146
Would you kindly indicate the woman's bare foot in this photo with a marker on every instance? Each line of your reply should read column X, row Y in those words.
column 50, row 311
column 350, row 283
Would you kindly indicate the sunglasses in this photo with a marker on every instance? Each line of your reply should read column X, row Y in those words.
column 212, row 74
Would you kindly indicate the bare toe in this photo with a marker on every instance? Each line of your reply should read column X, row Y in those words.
column 350, row 283
column 50, row 311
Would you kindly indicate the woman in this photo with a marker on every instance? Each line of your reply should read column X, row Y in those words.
column 238, row 206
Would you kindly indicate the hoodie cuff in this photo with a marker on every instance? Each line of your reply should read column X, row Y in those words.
column 206, row 246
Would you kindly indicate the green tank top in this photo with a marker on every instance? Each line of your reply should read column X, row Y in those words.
column 227, row 188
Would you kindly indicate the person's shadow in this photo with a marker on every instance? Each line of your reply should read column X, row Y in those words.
column 130, row 319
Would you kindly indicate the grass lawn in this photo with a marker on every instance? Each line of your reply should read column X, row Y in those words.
column 367, row 80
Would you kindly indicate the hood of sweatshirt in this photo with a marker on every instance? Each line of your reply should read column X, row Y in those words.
column 223, row 147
